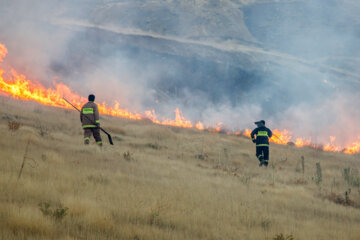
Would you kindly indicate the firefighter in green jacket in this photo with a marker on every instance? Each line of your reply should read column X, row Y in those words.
column 262, row 134
column 90, row 121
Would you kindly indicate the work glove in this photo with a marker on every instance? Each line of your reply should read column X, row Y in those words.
column 254, row 141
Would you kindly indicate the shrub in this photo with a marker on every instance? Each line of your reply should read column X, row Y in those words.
column 127, row 156
column 60, row 212
column 341, row 200
column 45, row 208
column 154, row 146
column 13, row 125
column 203, row 157
column 283, row 237
column 300, row 181
column 57, row 213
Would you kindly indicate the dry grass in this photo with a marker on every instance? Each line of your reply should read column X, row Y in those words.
column 164, row 183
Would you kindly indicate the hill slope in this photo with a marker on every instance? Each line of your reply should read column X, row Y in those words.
column 173, row 183
column 184, row 48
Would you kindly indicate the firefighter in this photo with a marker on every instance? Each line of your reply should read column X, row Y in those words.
column 90, row 121
column 262, row 134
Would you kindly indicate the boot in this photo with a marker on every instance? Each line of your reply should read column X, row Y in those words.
column 261, row 159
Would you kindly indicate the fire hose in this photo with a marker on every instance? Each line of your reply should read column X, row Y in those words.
column 277, row 137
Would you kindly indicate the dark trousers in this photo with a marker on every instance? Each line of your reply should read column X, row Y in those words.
column 262, row 153
column 92, row 131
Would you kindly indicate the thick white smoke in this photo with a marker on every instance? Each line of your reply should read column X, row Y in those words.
column 292, row 63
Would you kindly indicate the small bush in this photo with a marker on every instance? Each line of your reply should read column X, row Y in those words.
column 57, row 213
column 13, row 125
column 283, row 237
column 341, row 200
column 45, row 208
column 300, row 181
column 203, row 157
column 127, row 156
column 154, row 146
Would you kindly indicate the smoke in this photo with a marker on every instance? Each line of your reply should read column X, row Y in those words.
column 292, row 63
column 32, row 42
column 316, row 98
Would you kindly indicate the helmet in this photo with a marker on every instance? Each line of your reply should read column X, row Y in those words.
column 91, row 97
column 261, row 121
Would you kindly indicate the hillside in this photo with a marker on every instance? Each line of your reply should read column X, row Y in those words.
column 177, row 49
column 160, row 182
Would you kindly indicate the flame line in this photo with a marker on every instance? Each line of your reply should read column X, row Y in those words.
column 19, row 87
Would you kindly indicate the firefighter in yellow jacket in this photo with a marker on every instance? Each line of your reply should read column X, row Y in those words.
column 90, row 121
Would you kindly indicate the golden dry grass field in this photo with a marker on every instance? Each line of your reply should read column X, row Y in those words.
column 160, row 182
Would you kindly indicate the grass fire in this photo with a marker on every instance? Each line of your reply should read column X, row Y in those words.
column 186, row 120
column 164, row 182
column 18, row 86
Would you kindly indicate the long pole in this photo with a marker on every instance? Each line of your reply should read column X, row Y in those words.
column 276, row 137
column 108, row 134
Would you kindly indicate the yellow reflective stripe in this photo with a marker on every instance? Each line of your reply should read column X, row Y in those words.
column 88, row 111
column 97, row 121
column 262, row 134
column 87, row 138
column 100, row 142
column 89, row 126
column 262, row 145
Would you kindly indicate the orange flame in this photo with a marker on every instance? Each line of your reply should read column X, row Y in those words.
column 300, row 142
column 331, row 147
column 217, row 129
column 353, row 148
column 281, row 137
column 19, row 86
column 247, row 133
column 179, row 121
column 200, row 126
